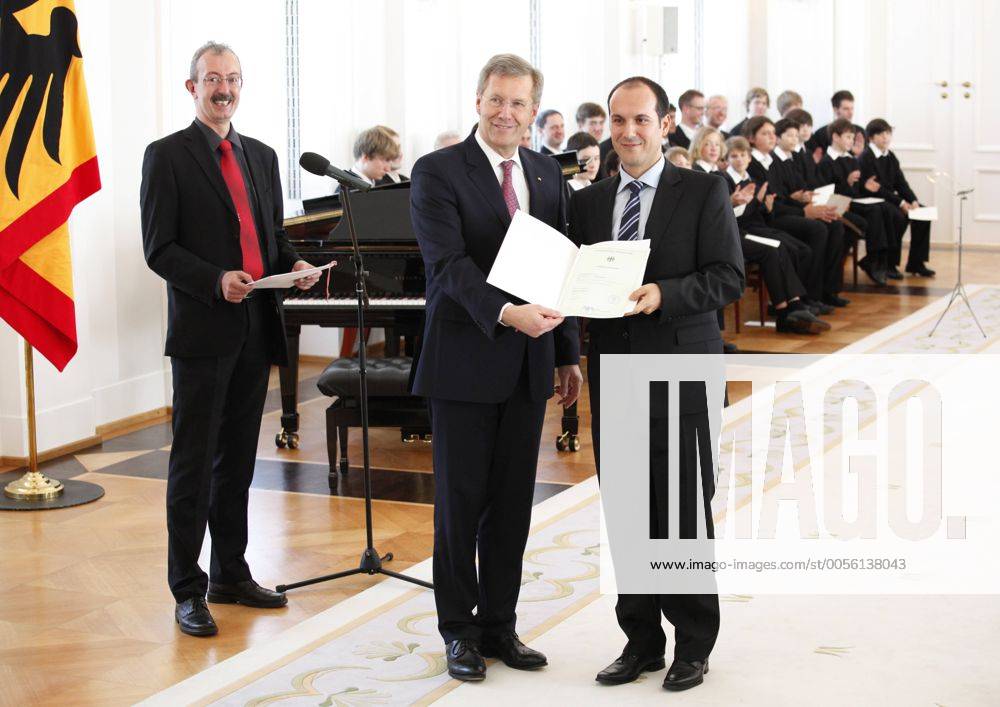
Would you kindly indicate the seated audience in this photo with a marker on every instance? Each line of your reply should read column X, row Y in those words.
column 374, row 153
column 880, row 162
column 787, row 101
column 842, row 103
column 692, row 107
column 707, row 150
column 590, row 118
column 394, row 176
column 611, row 164
column 841, row 168
column 679, row 157
column 526, row 139
column 716, row 112
column 447, row 138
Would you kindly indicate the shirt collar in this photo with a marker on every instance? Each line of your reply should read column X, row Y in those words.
column 213, row 137
column 357, row 170
column 737, row 177
column 799, row 148
column 494, row 157
column 761, row 157
column 834, row 153
column 689, row 131
column 708, row 166
column 878, row 152
column 782, row 155
column 651, row 177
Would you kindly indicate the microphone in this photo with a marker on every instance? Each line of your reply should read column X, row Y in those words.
column 317, row 164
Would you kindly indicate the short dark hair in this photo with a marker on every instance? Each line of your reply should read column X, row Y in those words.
column 589, row 110
column 754, row 124
column 612, row 163
column 671, row 108
column 580, row 141
column 877, row 127
column 544, row 116
column 685, row 98
column 800, row 116
column 839, row 97
column 841, row 126
column 662, row 102
column 784, row 125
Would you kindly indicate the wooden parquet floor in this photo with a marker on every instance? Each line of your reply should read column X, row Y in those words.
column 85, row 614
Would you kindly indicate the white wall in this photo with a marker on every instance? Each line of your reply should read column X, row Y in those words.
column 411, row 64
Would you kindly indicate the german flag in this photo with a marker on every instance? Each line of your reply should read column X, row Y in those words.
column 49, row 165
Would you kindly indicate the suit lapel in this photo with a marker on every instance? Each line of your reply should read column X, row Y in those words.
column 605, row 205
column 198, row 148
column 668, row 195
column 482, row 176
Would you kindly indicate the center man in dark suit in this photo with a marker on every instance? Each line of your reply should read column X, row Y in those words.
column 486, row 365
column 695, row 268
column 212, row 216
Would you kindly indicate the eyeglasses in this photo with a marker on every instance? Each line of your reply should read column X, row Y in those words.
column 214, row 80
column 499, row 103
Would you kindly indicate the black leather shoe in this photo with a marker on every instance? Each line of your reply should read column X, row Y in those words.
column 801, row 321
column 194, row 618
column 875, row 275
column 684, row 675
column 465, row 662
column 836, row 301
column 247, row 593
column 508, row 648
column 817, row 308
column 893, row 274
column 730, row 347
column 922, row 271
column 629, row 667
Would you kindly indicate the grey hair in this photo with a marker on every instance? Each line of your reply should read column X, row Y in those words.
column 209, row 46
column 511, row 65
column 446, row 136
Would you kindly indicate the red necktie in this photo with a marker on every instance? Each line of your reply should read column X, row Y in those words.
column 509, row 195
column 252, row 262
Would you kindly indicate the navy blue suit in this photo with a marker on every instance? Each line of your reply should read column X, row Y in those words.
column 486, row 384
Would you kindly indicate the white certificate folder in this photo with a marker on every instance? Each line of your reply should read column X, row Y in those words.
column 540, row 265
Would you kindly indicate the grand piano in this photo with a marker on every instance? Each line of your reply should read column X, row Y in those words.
column 395, row 283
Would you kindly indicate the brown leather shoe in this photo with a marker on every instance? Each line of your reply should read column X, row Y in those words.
column 247, row 593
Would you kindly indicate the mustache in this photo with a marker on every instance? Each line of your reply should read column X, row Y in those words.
column 223, row 97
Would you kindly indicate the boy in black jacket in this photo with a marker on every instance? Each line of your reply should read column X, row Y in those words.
column 842, row 169
column 880, row 162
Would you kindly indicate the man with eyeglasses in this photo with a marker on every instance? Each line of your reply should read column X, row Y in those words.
column 212, row 213
column 486, row 365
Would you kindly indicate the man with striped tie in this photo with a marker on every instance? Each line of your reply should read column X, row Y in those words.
column 695, row 267
column 486, row 365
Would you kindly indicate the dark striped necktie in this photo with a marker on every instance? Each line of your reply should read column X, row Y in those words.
column 629, row 228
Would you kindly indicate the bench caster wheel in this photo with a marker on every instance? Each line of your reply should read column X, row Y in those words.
column 286, row 439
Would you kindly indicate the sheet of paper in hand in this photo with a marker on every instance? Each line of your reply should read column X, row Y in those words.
column 538, row 264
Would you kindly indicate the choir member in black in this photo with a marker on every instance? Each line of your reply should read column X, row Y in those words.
column 553, row 129
column 707, row 150
column 818, row 226
column 754, row 205
column 756, row 103
column 805, row 159
column 842, row 169
column 678, row 157
column 843, row 107
column 879, row 161
column 786, row 101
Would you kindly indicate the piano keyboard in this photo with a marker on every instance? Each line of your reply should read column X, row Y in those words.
column 373, row 302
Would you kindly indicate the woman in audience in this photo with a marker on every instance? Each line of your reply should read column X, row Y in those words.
column 756, row 103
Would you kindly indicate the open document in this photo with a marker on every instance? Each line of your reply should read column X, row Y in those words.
column 540, row 265
column 287, row 279
column 923, row 213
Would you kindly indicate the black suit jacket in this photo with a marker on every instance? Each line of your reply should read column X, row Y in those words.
column 191, row 236
column 460, row 219
column 835, row 171
column 892, row 182
column 604, row 148
column 695, row 258
column 679, row 139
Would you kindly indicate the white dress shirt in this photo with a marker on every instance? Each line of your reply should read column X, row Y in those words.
column 877, row 152
column 361, row 175
column 834, row 153
column 651, row 178
column 782, row 155
column 707, row 166
column 516, row 174
column 762, row 158
column 737, row 177
column 688, row 130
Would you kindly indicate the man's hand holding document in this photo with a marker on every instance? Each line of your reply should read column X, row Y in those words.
column 540, row 265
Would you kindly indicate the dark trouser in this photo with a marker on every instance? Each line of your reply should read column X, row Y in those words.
column 776, row 268
column 877, row 230
column 826, row 240
column 695, row 617
column 218, row 402
column 485, row 457
column 920, row 239
column 799, row 252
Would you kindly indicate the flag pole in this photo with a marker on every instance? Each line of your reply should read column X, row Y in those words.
column 33, row 486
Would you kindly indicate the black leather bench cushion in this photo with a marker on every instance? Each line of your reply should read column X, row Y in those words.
column 387, row 377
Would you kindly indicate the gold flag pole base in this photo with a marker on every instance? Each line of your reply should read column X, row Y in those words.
column 33, row 486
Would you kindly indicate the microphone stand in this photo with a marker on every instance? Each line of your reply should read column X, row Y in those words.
column 371, row 560
column 959, row 289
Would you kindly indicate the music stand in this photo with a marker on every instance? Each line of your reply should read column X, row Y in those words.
column 371, row 561
column 959, row 289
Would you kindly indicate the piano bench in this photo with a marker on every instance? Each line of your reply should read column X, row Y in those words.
column 389, row 404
